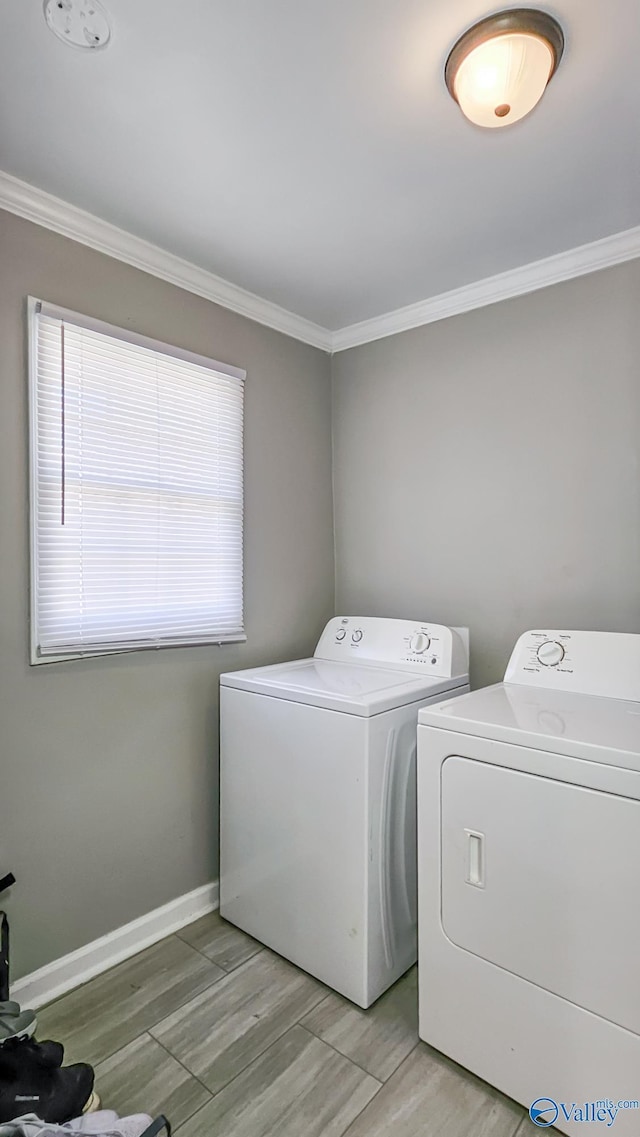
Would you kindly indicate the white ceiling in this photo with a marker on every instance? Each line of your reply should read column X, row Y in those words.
column 307, row 150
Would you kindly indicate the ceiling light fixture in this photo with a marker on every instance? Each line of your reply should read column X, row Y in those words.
column 499, row 69
column 80, row 23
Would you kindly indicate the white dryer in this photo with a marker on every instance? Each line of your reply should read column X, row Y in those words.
column 528, row 865
column 317, row 797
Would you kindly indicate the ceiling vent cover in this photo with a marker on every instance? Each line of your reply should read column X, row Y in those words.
column 80, row 23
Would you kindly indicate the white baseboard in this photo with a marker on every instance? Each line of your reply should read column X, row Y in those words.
column 55, row 978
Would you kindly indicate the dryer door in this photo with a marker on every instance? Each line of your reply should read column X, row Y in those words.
column 541, row 878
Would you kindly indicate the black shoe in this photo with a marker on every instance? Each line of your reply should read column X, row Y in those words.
column 55, row 1094
column 47, row 1053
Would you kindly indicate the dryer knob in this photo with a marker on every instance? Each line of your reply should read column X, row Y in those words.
column 550, row 653
column 356, row 636
column 419, row 643
column 340, row 634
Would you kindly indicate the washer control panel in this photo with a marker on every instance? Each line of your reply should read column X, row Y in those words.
column 590, row 663
column 397, row 644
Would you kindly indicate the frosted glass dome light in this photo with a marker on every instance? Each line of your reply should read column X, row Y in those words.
column 499, row 69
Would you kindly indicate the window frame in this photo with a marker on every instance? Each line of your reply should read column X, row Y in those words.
column 35, row 306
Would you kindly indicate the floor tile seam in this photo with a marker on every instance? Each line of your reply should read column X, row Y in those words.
column 188, row 1072
column 230, row 970
column 151, row 1026
column 399, row 1063
column 215, row 962
column 203, row 954
column 191, row 999
column 280, row 1038
column 110, row 1057
column 339, row 1051
column 214, row 1093
column 123, row 962
column 342, row 1055
column 347, row 1131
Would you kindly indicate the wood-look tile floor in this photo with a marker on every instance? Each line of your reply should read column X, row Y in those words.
column 229, row 1040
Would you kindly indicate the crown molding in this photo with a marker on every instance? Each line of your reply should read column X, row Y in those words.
column 584, row 259
column 35, row 205
column 44, row 209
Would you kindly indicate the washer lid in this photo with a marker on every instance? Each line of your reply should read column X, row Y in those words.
column 346, row 687
column 583, row 726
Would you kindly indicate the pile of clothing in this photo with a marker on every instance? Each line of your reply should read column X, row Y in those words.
column 41, row 1097
column 38, row 1095
column 105, row 1123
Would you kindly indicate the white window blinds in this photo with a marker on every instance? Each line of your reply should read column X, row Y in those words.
column 137, row 491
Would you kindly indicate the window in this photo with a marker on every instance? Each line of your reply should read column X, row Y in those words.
column 136, row 491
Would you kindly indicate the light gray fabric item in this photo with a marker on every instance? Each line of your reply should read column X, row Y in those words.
column 15, row 1023
column 103, row 1123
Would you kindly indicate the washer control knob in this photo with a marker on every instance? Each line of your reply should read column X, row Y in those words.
column 356, row 636
column 550, row 653
column 340, row 634
column 419, row 643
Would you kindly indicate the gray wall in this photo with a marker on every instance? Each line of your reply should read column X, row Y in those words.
column 485, row 472
column 108, row 767
column 486, row 468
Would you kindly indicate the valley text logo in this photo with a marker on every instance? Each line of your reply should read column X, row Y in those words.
column 546, row 1112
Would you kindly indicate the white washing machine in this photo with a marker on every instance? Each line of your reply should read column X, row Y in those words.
column 317, row 797
column 528, row 868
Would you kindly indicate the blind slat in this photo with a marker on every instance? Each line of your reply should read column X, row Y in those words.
column 140, row 453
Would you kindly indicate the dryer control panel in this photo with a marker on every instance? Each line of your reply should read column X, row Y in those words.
column 590, row 663
column 402, row 645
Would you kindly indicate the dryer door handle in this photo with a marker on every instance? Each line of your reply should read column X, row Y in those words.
column 474, row 858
